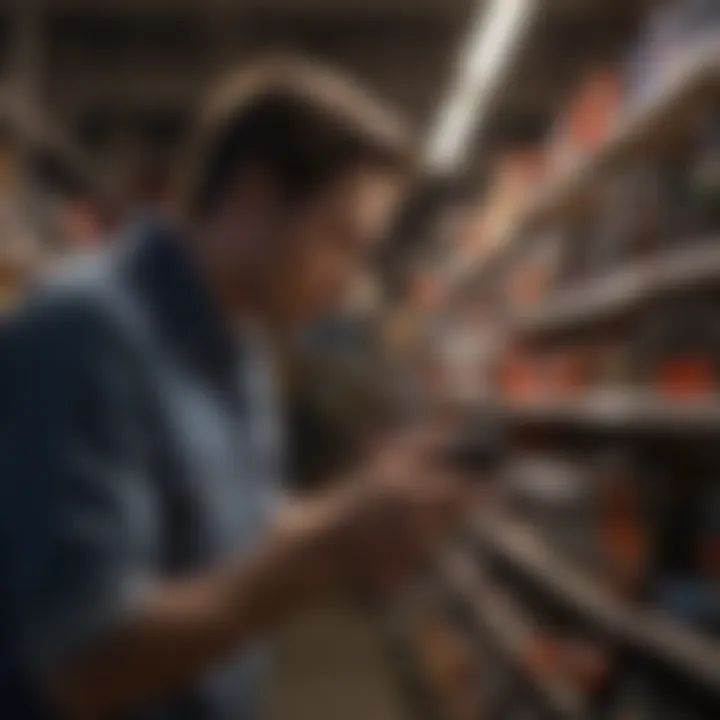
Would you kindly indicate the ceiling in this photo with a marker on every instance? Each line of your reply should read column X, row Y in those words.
column 124, row 75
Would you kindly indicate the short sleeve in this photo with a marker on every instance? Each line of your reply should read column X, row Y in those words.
column 78, row 512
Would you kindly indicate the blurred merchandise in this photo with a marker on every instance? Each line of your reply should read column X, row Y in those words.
column 587, row 120
column 555, row 496
column 679, row 350
column 701, row 210
column 575, row 238
column 632, row 220
column 687, row 578
column 622, row 524
column 513, row 183
column 532, row 280
column 607, row 332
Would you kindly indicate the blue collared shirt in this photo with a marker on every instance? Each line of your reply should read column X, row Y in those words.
column 139, row 441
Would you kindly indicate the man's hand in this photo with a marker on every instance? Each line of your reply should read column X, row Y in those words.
column 376, row 527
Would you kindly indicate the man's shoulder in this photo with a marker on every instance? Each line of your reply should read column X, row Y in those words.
column 76, row 290
column 82, row 301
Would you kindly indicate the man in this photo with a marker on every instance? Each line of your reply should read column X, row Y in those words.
column 138, row 440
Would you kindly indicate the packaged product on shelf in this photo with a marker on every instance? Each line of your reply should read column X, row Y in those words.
column 514, row 181
column 546, row 375
column 612, row 362
column 588, row 119
column 631, row 218
column 532, row 280
column 700, row 201
column 568, row 371
column 709, row 551
column 519, row 377
column 553, row 494
column 463, row 232
column 678, row 350
column 467, row 345
column 687, row 184
column 686, row 584
column 623, row 533
column 574, row 261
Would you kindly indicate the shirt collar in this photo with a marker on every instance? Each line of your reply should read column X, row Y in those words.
column 182, row 305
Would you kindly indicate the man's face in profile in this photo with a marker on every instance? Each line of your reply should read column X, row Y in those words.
column 324, row 247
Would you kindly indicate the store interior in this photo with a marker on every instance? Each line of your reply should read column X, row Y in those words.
column 551, row 290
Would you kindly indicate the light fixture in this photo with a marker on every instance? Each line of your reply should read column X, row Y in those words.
column 494, row 37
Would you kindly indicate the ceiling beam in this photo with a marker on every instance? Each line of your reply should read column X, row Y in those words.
column 242, row 8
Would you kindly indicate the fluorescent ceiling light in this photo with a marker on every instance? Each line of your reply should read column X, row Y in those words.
column 494, row 38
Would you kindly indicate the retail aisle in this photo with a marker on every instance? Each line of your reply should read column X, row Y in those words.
column 332, row 664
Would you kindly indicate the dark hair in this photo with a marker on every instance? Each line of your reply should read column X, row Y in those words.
column 297, row 120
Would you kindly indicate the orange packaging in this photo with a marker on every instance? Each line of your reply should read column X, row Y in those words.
column 521, row 376
column 589, row 118
column 688, row 377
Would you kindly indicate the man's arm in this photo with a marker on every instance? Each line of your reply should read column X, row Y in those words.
column 99, row 628
column 179, row 628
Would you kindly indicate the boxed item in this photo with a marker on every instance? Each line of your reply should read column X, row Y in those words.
column 567, row 371
column 514, row 182
column 574, row 262
column 686, row 582
column 589, row 117
column 698, row 197
column 553, row 495
column 678, row 350
column 622, row 522
column 632, row 220
column 533, row 279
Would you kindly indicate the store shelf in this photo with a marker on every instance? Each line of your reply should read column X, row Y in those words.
column 494, row 613
column 684, row 652
column 642, row 125
column 620, row 410
column 661, row 112
column 625, row 291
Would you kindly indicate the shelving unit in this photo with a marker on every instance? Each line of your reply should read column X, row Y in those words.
column 647, row 632
column 640, row 127
column 620, row 410
column 507, row 569
column 623, row 292
column 493, row 613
